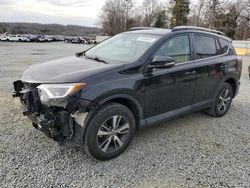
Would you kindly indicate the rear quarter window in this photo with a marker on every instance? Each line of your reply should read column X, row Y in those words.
column 224, row 44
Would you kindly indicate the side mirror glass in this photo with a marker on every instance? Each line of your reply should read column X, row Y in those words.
column 162, row 62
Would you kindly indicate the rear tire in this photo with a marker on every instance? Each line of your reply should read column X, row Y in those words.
column 222, row 101
column 109, row 132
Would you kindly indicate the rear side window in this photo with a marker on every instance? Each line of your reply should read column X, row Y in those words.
column 205, row 46
column 224, row 45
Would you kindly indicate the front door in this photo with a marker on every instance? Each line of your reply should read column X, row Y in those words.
column 170, row 90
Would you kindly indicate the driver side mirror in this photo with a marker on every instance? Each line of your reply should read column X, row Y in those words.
column 162, row 62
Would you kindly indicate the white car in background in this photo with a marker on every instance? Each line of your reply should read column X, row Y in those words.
column 17, row 38
column 3, row 38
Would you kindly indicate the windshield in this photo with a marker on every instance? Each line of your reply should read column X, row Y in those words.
column 122, row 48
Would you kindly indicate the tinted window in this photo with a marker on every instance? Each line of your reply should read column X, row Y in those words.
column 205, row 46
column 224, row 45
column 178, row 48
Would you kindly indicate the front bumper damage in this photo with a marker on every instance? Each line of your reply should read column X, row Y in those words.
column 60, row 123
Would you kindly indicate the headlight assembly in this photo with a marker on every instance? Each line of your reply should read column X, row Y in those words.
column 55, row 94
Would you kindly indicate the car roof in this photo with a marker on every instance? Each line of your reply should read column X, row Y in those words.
column 179, row 29
column 149, row 30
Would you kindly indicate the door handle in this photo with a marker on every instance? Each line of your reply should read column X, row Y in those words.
column 190, row 73
column 223, row 66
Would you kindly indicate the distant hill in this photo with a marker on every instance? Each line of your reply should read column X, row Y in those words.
column 47, row 29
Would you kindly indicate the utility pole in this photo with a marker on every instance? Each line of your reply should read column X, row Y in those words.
column 128, row 4
column 126, row 14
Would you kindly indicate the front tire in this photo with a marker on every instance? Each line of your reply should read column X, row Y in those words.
column 222, row 101
column 109, row 132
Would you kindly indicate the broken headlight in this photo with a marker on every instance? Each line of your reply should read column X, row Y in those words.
column 56, row 94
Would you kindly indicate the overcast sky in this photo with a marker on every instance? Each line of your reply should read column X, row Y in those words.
column 77, row 12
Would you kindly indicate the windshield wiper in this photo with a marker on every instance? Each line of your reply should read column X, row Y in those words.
column 78, row 54
column 93, row 58
column 100, row 60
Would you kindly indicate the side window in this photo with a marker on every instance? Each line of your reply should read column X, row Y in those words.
column 224, row 45
column 205, row 46
column 178, row 48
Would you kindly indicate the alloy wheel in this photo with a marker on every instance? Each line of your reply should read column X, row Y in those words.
column 112, row 134
column 224, row 101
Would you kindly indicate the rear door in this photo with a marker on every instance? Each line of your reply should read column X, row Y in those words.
column 210, row 64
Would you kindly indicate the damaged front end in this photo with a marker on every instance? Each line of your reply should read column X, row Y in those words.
column 56, row 109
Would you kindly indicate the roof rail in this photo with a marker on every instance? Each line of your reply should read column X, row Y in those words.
column 178, row 28
column 142, row 28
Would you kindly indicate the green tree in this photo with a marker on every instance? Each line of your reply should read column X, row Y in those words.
column 227, row 22
column 160, row 19
column 180, row 10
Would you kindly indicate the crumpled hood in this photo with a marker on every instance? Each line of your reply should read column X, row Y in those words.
column 67, row 70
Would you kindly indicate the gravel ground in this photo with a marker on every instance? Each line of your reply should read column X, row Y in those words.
column 191, row 151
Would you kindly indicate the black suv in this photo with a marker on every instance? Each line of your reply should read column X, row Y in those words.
column 99, row 97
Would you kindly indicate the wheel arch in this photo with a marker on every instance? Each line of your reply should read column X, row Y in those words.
column 233, row 83
column 127, row 100
column 130, row 102
column 230, row 79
